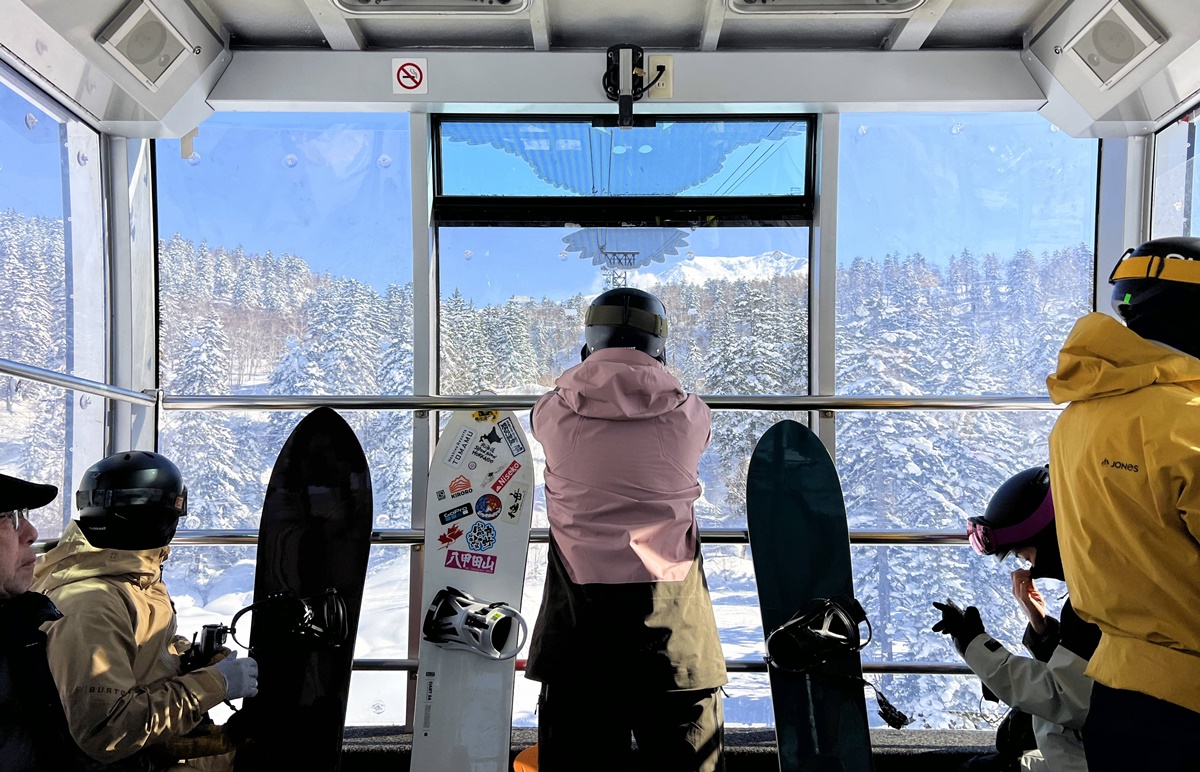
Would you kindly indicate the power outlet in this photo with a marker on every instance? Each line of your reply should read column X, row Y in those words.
column 665, row 87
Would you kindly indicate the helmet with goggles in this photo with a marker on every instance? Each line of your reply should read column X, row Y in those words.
column 1156, row 288
column 1020, row 514
column 131, row 501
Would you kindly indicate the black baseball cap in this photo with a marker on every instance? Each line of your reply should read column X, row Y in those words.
column 22, row 494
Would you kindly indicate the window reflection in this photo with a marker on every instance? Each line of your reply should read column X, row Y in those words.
column 52, row 290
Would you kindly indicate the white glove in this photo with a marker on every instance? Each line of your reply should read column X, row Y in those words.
column 241, row 676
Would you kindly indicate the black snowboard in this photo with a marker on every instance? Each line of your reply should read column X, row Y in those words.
column 801, row 548
column 314, row 537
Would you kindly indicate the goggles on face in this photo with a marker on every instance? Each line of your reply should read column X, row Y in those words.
column 981, row 537
column 988, row 540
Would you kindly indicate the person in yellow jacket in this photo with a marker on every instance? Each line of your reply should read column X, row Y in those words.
column 114, row 655
column 1125, row 470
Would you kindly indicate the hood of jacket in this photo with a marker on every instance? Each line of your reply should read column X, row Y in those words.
column 1103, row 358
column 74, row 558
column 620, row 384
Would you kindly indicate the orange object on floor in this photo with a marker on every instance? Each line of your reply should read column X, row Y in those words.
column 526, row 760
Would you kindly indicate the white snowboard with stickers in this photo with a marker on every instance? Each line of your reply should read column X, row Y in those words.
column 477, row 518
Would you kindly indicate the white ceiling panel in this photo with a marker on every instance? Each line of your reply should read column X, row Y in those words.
column 408, row 32
column 985, row 24
column 598, row 24
column 743, row 32
column 268, row 23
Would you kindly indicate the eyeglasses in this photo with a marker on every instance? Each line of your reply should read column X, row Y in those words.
column 15, row 516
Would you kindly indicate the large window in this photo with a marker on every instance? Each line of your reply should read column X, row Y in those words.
column 1176, row 193
column 733, row 275
column 285, row 267
column 669, row 158
column 52, row 280
column 964, row 254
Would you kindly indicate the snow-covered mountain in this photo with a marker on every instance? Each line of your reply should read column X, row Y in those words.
column 699, row 269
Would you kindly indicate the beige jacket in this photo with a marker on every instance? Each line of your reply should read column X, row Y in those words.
column 1125, row 472
column 114, row 655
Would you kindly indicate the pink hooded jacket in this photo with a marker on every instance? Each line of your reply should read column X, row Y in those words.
column 623, row 444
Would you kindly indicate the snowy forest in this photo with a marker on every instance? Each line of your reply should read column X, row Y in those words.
column 233, row 322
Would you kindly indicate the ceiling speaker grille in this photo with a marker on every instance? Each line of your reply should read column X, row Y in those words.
column 1114, row 42
column 145, row 43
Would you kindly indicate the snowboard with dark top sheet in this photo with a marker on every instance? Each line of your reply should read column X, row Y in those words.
column 313, row 545
column 800, row 544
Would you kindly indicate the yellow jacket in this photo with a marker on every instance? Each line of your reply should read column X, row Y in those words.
column 114, row 655
column 1125, row 472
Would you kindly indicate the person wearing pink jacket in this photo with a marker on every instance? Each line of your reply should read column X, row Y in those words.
column 626, row 641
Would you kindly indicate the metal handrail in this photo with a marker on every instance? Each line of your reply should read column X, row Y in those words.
column 731, row 665
column 208, row 538
column 526, row 401
column 507, row 401
column 41, row 375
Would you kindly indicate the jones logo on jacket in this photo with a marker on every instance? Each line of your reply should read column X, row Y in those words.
column 1119, row 465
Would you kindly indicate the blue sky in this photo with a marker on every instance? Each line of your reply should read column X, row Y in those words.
column 30, row 153
column 334, row 189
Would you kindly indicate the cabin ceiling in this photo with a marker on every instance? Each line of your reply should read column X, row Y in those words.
column 584, row 25
column 535, row 56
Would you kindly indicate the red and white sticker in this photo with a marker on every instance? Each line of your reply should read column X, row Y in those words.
column 505, row 476
column 410, row 76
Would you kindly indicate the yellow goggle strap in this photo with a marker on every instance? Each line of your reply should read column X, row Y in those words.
column 1167, row 268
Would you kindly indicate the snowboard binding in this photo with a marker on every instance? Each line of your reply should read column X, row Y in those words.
column 456, row 620
column 822, row 630
column 825, row 628
column 319, row 621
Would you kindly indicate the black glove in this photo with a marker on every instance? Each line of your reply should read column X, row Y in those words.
column 960, row 625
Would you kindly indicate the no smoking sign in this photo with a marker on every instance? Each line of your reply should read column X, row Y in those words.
column 410, row 76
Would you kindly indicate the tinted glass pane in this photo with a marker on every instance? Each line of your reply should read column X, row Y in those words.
column 931, row 470
column 512, row 301
column 1176, row 180
column 52, row 294
column 226, row 459
column 964, row 251
column 209, row 585
column 285, row 267
column 737, row 309
column 673, row 158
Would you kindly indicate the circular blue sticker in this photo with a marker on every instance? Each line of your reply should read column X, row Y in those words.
column 488, row 507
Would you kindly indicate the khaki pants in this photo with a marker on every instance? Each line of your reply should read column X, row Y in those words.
column 581, row 728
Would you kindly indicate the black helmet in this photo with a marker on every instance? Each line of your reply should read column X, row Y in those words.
column 131, row 501
column 1020, row 514
column 1156, row 288
column 626, row 318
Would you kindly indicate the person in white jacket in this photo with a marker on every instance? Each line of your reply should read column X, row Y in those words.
column 1050, row 685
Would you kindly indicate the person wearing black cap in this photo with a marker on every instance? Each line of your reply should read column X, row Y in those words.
column 33, row 728
column 1051, row 686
